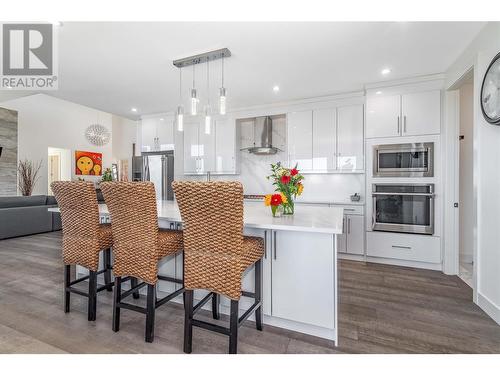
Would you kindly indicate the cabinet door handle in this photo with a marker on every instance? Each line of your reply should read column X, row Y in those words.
column 348, row 225
column 401, row 247
column 398, row 124
column 404, row 124
column 275, row 250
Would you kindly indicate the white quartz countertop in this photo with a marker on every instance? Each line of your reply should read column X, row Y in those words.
column 256, row 215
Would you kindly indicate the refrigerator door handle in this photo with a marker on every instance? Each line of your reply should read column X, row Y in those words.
column 145, row 165
column 164, row 183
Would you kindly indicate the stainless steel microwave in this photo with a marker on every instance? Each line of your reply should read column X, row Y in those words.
column 403, row 160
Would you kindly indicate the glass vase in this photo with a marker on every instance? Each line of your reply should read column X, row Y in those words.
column 288, row 208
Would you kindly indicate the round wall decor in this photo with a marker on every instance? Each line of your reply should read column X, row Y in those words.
column 490, row 92
column 97, row 135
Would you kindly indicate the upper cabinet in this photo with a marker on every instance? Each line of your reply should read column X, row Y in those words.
column 350, row 142
column 215, row 152
column 300, row 138
column 403, row 115
column 157, row 134
column 327, row 140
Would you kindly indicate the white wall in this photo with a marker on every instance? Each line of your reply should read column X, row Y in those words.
column 486, row 150
column 466, row 163
column 45, row 121
column 124, row 133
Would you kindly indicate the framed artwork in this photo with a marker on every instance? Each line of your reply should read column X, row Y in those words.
column 88, row 163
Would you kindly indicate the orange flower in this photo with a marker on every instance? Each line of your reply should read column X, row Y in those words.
column 283, row 198
column 300, row 188
column 267, row 200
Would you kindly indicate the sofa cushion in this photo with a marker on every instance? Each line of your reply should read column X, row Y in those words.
column 51, row 200
column 20, row 201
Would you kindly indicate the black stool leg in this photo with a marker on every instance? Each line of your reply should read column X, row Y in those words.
column 188, row 321
column 133, row 284
column 107, row 267
column 258, row 294
column 67, row 293
column 92, row 302
column 117, row 294
column 150, row 313
column 215, row 306
column 233, row 327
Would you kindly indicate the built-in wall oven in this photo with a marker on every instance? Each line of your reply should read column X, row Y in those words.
column 403, row 160
column 404, row 208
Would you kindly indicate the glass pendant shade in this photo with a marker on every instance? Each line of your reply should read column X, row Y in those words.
column 208, row 120
column 180, row 118
column 222, row 101
column 194, row 102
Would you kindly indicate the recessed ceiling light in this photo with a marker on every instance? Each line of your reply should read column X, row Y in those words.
column 378, row 92
column 386, row 71
column 276, row 88
column 134, row 109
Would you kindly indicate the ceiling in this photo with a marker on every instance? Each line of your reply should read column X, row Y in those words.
column 117, row 66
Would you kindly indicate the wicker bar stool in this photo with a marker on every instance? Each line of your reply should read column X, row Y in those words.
column 83, row 239
column 138, row 246
column 216, row 254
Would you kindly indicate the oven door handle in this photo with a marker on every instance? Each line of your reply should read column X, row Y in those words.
column 419, row 194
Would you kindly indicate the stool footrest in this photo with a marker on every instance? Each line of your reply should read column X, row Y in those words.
column 200, row 304
column 132, row 290
column 171, row 279
column 211, row 327
column 129, row 306
column 249, row 312
column 165, row 299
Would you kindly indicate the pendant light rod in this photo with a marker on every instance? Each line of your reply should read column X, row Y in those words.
column 208, row 82
column 202, row 58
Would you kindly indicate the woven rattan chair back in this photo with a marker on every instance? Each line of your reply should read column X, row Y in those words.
column 77, row 201
column 212, row 215
column 134, row 217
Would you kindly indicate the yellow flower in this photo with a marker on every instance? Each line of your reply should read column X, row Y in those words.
column 267, row 200
column 283, row 198
column 300, row 189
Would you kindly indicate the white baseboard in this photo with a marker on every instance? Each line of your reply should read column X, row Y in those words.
column 392, row 262
column 466, row 258
column 489, row 307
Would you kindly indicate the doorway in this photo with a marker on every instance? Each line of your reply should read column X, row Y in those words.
column 58, row 165
column 465, row 178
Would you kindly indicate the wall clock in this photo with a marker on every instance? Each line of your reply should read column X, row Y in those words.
column 490, row 92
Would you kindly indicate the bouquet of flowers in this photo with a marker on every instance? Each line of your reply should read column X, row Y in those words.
column 288, row 184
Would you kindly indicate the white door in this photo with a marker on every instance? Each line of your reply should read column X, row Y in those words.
column 383, row 116
column 191, row 147
column 350, row 141
column 303, row 278
column 206, row 148
column 148, row 133
column 421, row 113
column 324, row 139
column 355, row 234
column 225, row 147
column 300, row 140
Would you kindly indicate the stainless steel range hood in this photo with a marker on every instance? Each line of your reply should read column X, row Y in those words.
column 262, row 135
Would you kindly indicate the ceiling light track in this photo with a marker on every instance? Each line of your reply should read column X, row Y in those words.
column 202, row 58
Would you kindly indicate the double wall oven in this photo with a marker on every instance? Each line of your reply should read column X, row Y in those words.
column 403, row 206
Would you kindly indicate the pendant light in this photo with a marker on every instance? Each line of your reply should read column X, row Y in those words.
column 208, row 117
column 222, row 93
column 180, row 108
column 194, row 98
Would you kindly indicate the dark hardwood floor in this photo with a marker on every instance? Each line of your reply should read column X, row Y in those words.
column 383, row 309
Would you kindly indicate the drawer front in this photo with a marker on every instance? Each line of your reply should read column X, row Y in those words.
column 350, row 210
column 414, row 247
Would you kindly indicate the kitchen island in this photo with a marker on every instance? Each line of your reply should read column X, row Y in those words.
column 299, row 265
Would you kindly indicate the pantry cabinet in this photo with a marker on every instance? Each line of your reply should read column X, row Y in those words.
column 417, row 113
column 157, row 134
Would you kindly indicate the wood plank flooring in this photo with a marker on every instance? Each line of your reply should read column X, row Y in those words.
column 383, row 309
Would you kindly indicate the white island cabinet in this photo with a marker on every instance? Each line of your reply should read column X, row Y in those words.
column 299, row 265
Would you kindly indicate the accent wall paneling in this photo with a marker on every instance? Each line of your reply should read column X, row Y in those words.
column 8, row 156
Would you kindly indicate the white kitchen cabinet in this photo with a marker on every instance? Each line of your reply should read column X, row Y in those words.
column 350, row 141
column 225, row 147
column 352, row 241
column 300, row 299
column 191, row 146
column 324, row 133
column 300, row 136
column 383, row 116
column 206, row 151
column 421, row 113
column 157, row 133
column 417, row 113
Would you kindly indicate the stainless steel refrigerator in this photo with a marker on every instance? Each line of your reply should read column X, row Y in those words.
column 157, row 167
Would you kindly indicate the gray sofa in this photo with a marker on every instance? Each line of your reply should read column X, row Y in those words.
column 21, row 216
